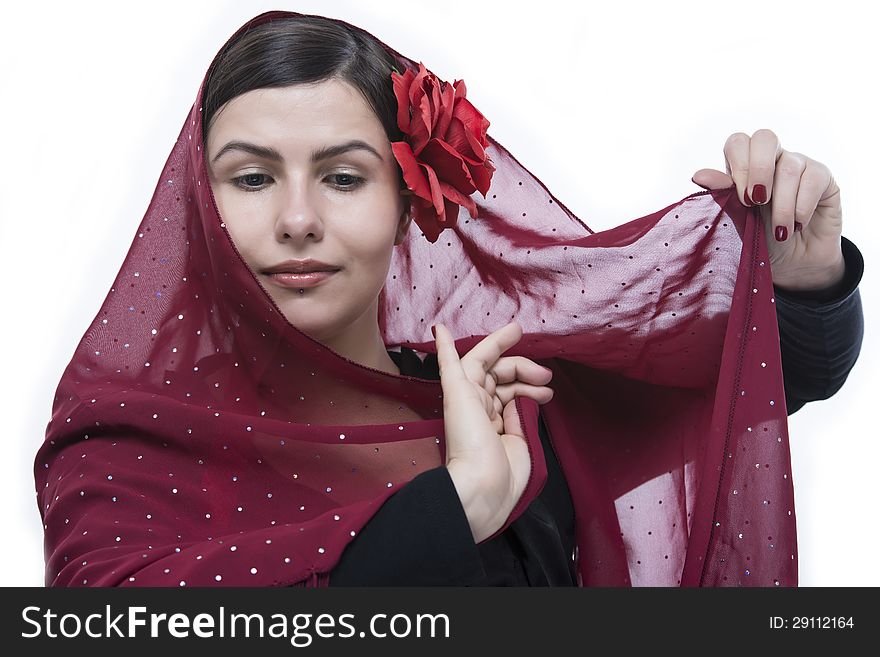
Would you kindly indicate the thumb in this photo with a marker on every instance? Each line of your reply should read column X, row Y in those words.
column 711, row 179
column 447, row 356
column 512, row 423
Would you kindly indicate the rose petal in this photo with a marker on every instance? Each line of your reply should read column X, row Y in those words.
column 475, row 147
column 447, row 104
column 401, row 92
column 456, row 137
column 420, row 130
column 482, row 177
column 481, row 171
column 451, row 213
column 446, row 161
column 426, row 219
column 436, row 189
column 436, row 103
column 416, row 89
column 460, row 89
column 457, row 197
column 472, row 119
column 412, row 171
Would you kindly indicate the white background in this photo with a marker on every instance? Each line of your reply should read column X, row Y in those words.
column 613, row 106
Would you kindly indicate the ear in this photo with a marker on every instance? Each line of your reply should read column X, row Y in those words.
column 405, row 220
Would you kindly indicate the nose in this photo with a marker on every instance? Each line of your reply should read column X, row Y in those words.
column 299, row 216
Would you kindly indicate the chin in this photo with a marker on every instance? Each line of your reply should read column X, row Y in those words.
column 314, row 328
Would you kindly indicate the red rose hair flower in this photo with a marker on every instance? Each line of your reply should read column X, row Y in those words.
column 444, row 158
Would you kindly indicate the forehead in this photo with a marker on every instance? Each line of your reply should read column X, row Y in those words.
column 303, row 112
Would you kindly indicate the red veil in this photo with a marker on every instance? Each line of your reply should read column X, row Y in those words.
column 198, row 438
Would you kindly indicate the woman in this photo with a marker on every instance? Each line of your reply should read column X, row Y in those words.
column 229, row 418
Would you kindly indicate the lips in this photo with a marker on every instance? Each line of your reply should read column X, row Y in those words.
column 301, row 267
column 302, row 270
column 301, row 280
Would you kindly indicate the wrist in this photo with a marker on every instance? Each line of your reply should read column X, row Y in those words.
column 478, row 515
column 825, row 280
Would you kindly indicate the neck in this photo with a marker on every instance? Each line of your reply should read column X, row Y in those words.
column 362, row 343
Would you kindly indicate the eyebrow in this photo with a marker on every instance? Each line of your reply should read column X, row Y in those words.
column 269, row 153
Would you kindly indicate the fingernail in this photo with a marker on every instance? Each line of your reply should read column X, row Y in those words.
column 433, row 331
column 746, row 197
column 759, row 194
column 798, row 225
column 781, row 233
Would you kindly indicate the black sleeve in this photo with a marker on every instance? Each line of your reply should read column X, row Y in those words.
column 420, row 537
column 820, row 334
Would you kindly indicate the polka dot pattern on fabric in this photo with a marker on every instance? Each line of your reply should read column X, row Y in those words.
column 198, row 438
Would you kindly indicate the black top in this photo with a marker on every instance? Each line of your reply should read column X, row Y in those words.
column 421, row 535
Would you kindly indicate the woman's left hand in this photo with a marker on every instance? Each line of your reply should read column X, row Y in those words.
column 799, row 205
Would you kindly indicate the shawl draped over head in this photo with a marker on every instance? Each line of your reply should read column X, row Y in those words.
column 197, row 438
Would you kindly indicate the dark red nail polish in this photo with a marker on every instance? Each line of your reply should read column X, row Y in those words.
column 433, row 331
column 781, row 233
column 798, row 226
column 746, row 197
column 759, row 194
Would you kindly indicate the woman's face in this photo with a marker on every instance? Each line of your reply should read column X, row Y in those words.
column 346, row 210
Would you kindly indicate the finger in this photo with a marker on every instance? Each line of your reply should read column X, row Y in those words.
column 712, row 179
column 490, row 382
column 497, row 405
column 482, row 357
column 786, row 181
column 764, row 151
column 447, row 356
column 506, row 392
column 736, row 154
column 513, row 429
column 465, row 427
column 814, row 181
column 493, row 409
column 511, row 368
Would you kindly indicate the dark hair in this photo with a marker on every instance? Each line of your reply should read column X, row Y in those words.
column 304, row 49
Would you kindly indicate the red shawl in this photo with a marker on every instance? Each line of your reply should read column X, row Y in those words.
column 198, row 438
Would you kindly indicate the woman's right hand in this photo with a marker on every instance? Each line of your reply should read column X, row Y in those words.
column 486, row 452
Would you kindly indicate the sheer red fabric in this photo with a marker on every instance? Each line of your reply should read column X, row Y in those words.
column 198, row 438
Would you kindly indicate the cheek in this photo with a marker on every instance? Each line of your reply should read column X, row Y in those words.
column 368, row 266
column 368, row 249
column 242, row 228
